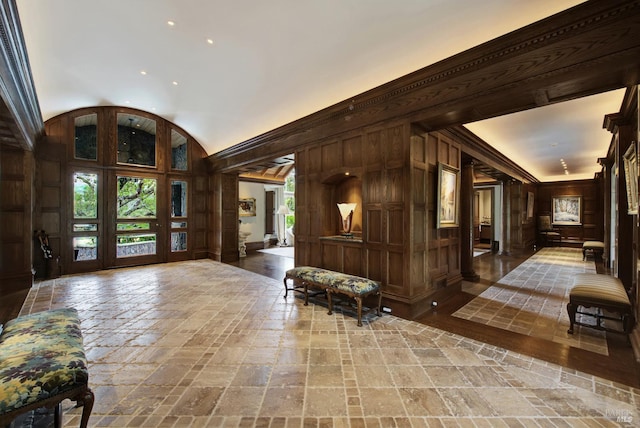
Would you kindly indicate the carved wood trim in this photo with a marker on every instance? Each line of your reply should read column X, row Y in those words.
column 584, row 50
column 16, row 84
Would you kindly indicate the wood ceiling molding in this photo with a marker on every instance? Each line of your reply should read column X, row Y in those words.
column 275, row 171
column 487, row 160
column 588, row 49
column 20, row 112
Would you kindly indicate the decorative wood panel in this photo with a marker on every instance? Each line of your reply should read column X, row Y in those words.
column 395, row 185
column 395, row 226
column 395, row 272
column 374, row 264
column 16, row 244
column 352, row 262
column 352, row 152
column 374, row 221
column 373, row 152
column 331, row 156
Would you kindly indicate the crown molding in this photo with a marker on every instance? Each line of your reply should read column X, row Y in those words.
column 21, row 111
column 588, row 49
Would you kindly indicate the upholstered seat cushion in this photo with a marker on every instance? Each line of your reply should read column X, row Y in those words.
column 599, row 290
column 41, row 355
column 341, row 281
column 593, row 245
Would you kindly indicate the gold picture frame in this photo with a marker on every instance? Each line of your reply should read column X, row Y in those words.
column 567, row 210
column 631, row 178
column 247, row 207
column 448, row 196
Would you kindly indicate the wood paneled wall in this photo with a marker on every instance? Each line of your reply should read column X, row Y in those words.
column 591, row 228
column 16, row 236
column 390, row 172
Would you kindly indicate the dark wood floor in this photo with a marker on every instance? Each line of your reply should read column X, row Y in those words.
column 620, row 366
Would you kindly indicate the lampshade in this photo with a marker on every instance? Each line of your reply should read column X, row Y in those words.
column 346, row 209
column 346, row 212
column 283, row 209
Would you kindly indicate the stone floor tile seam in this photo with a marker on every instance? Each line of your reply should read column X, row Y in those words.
column 383, row 333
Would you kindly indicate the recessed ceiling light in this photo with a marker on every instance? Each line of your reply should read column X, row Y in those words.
column 210, row 41
column 171, row 23
column 144, row 73
column 175, row 83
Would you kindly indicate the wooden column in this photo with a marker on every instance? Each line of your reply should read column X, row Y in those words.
column 505, row 234
column 224, row 226
column 466, row 223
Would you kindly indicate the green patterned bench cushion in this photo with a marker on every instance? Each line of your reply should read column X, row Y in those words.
column 341, row 281
column 41, row 355
column 599, row 290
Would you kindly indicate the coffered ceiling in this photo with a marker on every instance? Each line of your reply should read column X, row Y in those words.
column 227, row 71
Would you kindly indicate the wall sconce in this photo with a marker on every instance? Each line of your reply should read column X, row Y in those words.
column 282, row 227
column 346, row 212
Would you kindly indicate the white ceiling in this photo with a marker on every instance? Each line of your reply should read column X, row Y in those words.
column 272, row 62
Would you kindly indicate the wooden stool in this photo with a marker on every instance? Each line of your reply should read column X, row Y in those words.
column 596, row 247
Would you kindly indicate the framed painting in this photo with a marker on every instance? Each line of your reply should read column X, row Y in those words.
column 448, row 195
column 530, row 199
column 567, row 210
column 631, row 178
column 247, row 207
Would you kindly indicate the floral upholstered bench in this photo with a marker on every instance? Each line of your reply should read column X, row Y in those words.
column 42, row 362
column 600, row 291
column 332, row 282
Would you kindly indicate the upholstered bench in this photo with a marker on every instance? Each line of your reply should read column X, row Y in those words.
column 595, row 247
column 599, row 291
column 332, row 282
column 42, row 362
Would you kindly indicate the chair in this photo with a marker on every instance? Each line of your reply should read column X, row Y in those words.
column 549, row 235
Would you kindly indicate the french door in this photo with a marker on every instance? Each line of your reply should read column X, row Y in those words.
column 136, row 209
column 124, row 218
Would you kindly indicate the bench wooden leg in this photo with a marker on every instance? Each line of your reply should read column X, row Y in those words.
column 286, row 289
column 57, row 416
column 379, row 308
column 329, row 302
column 306, row 293
column 571, row 310
column 87, row 406
column 359, row 302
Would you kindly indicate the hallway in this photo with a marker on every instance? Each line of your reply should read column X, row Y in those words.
column 202, row 344
column 619, row 365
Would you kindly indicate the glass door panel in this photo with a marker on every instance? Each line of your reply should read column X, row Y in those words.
column 86, row 137
column 179, row 160
column 84, row 227
column 137, row 227
column 178, row 234
column 136, row 140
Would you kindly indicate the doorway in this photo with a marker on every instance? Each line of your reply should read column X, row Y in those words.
column 485, row 224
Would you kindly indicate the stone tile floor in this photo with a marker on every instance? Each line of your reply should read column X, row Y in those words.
column 203, row 344
column 532, row 300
